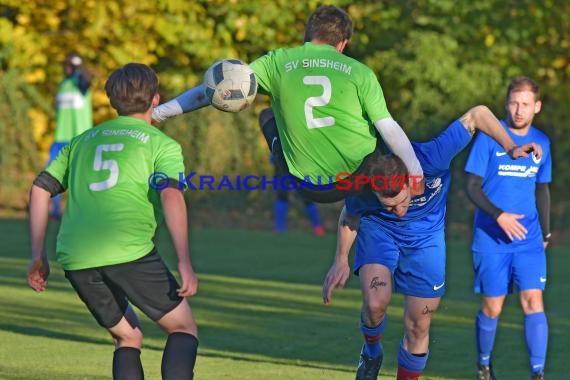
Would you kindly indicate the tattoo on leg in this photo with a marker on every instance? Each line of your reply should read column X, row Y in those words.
column 377, row 283
column 427, row 310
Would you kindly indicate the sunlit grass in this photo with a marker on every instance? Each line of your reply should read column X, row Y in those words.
column 260, row 316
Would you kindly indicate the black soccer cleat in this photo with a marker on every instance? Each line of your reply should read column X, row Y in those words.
column 485, row 372
column 538, row 376
column 368, row 367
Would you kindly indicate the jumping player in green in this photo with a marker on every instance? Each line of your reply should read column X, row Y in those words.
column 329, row 109
column 105, row 240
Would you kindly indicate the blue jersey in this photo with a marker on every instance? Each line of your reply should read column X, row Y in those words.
column 427, row 211
column 509, row 185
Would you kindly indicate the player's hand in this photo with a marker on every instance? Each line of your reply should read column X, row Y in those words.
column 189, row 280
column 511, row 225
column 525, row 150
column 418, row 187
column 336, row 278
column 38, row 273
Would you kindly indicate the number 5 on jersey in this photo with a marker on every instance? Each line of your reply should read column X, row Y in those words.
column 111, row 165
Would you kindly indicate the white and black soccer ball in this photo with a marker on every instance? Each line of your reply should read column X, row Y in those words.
column 230, row 85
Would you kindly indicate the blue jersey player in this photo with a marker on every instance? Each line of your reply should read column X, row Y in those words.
column 400, row 242
column 511, row 227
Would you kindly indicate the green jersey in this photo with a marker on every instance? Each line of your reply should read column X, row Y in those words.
column 112, row 213
column 325, row 104
column 73, row 110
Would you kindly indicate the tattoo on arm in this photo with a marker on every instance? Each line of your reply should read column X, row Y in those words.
column 376, row 283
column 427, row 310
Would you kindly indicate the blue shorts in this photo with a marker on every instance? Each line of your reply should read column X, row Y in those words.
column 496, row 272
column 417, row 262
column 54, row 150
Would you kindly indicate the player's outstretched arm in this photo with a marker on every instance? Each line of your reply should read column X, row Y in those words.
column 38, row 271
column 176, row 218
column 480, row 117
column 188, row 101
column 339, row 272
column 399, row 143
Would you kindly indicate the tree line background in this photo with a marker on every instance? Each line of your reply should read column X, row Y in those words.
column 434, row 59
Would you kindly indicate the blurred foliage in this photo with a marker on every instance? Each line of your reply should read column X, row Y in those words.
column 434, row 58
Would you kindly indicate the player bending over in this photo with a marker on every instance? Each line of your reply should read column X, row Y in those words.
column 400, row 243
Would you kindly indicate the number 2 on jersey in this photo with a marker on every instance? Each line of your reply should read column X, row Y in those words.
column 111, row 165
column 318, row 101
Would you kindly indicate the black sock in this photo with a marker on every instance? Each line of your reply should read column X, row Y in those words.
column 127, row 364
column 179, row 357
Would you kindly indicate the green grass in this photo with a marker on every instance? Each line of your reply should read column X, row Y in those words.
column 260, row 315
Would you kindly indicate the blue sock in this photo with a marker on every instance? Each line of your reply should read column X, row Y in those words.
column 485, row 330
column 280, row 208
column 536, row 335
column 372, row 335
column 313, row 214
column 56, row 206
column 411, row 362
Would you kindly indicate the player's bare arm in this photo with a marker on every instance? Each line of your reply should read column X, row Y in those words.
column 176, row 218
column 480, row 117
column 339, row 272
column 38, row 271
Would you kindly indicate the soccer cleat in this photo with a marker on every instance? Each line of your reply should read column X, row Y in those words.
column 538, row 376
column 485, row 372
column 368, row 367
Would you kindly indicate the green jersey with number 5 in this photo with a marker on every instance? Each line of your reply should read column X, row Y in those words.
column 325, row 104
column 112, row 213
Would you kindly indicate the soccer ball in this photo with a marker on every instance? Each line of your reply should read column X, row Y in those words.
column 230, row 85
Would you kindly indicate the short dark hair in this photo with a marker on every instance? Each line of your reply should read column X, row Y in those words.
column 388, row 167
column 523, row 83
column 131, row 88
column 329, row 24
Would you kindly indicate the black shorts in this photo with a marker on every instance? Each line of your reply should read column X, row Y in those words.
column 146, row 282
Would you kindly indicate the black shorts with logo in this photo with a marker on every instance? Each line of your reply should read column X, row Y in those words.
column 147, row 283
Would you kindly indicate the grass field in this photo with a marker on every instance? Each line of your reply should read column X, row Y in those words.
column 260, row 315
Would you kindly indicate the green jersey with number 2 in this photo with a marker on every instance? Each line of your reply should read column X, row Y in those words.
column 112, row 213
column 325, row 104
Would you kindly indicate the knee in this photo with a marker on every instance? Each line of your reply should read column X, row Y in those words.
column 373, row 312
column 532, row 304
column 131, row 338
column 492, row 311
column 417, row 330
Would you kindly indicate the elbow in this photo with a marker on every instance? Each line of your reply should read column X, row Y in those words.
column 478, row 112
